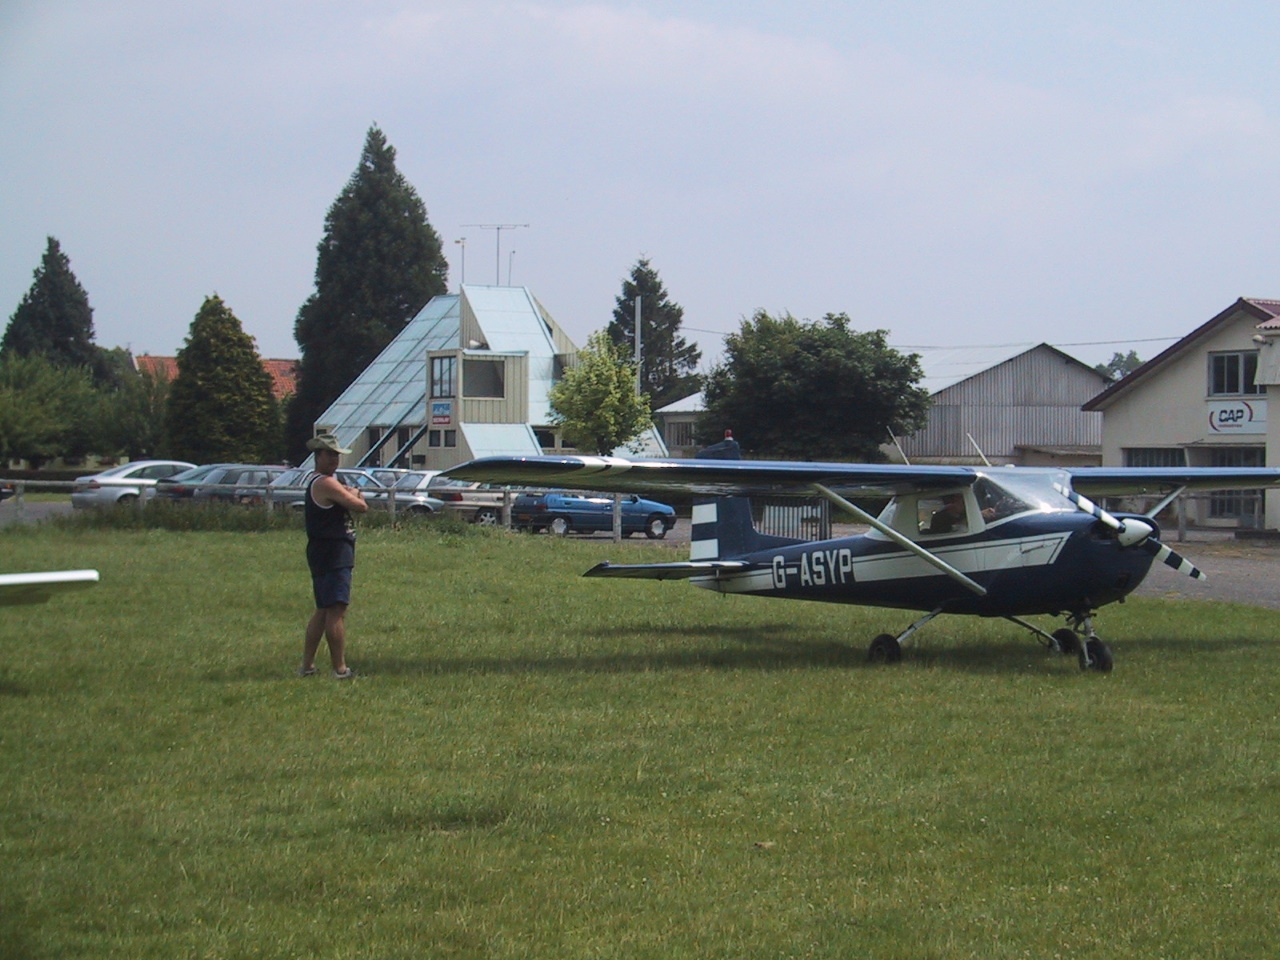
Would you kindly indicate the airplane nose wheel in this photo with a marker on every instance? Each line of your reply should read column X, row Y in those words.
column 885, row 649
column 1093, row 653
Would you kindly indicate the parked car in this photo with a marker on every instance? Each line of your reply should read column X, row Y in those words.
column 411, row 492
column 290, row 490
column 475, row 502
column 126, row 483
column 250, row 481
column 219, row 483
column 563, row 513
column 182, row 486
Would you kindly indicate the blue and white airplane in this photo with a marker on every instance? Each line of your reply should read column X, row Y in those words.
column 1005, row 542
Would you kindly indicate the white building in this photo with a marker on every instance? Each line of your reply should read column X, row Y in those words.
column 1203, row 403
column 468, row 377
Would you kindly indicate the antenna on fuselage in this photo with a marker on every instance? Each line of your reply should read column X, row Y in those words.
column 902, row 453
column 979, row 449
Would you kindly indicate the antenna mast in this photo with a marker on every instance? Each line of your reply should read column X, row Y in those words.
column 497, row 228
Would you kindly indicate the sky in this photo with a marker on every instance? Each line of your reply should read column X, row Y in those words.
column 1098, row 175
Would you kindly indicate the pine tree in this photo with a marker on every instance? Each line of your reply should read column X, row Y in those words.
column 379, row 262
column 54, row 319
column 220, row 405
column 667, row 360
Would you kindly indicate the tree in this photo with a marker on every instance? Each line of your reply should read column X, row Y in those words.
column 1120, row 365
column 220, row 404
column 799, row 390
column 379, row 262
column 54, row 319
column 46, row 410
column 595, row 402
column 667, row 360
column 134, row 415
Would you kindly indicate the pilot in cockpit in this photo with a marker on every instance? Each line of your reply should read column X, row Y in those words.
column 950, row 515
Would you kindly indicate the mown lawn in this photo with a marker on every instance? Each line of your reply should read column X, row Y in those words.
column 536, row 765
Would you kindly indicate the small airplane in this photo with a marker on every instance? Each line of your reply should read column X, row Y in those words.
column 24, row 588
column 1007, row 542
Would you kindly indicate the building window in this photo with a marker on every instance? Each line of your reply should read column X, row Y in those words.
column 433, row 438
column 680, row 434
column 1233, row 374
column 1155, row 457
column 375, row 456
column 483, row 378
column 444, row 376
column 1243, row 505
column 451, row 438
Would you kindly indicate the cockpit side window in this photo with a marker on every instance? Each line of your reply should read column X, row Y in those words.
column 943, row 513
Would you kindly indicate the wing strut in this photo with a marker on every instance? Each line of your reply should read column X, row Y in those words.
column 904, row 542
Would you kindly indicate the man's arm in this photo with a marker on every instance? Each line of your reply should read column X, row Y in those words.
column 329, row 491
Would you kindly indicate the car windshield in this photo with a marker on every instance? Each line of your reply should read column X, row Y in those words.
column 195, row 473
column 410, row 481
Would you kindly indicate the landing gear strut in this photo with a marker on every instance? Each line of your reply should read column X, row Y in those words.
column 1078, row 638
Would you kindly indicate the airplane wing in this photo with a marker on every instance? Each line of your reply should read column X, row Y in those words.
column 797, row 478
column 1135, row 481
column 666, row 571
column 21, row 588
column 713, row 477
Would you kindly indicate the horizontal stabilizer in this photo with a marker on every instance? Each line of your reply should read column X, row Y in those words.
column 22, row 588
column 667, row 571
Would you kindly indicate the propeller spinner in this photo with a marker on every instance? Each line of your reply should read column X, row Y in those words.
column 1134, row 532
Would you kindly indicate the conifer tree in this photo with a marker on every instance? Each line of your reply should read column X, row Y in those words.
column 667, row 360
column 54, row 319
column 379, row 262
column 220, row 406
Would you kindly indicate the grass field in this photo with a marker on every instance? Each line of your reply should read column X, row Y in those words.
column 534, row 765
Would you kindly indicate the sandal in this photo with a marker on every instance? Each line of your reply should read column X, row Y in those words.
column 345, row 674
column 306, row 671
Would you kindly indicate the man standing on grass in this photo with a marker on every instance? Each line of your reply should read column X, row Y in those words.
column 331, row 555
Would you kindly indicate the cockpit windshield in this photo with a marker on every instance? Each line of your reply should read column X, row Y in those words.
column 1012, row 492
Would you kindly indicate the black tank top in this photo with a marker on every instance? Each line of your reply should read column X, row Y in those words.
column 326, row 523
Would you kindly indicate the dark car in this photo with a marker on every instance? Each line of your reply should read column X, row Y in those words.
column 563, row 513
column 219, row 483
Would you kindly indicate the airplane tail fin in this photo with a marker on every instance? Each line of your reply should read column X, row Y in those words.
column 723, row 526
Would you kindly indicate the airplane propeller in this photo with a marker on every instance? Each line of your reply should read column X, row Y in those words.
column 1134, row 532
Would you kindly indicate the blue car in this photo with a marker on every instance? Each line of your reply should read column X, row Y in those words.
column 563, row 513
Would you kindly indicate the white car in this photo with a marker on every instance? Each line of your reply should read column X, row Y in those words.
column 126, row 483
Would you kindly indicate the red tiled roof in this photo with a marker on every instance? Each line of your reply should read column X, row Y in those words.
column 284, row 373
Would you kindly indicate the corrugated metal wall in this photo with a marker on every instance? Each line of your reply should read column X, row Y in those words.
column 1033, row 399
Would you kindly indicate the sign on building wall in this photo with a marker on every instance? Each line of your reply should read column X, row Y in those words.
column 1238, row 416
column 441, row 413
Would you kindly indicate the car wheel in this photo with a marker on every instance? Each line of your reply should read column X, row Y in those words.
column 127, row 499
column 486, row 517
column 559, row 526
column 421, row 511
column 655, row 528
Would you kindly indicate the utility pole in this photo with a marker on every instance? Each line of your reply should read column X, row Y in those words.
column 497, row 228
column 639, row 378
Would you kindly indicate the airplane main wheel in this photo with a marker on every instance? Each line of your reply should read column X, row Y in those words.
column 1099, row 656
column 885, row 649
column 1068, row 642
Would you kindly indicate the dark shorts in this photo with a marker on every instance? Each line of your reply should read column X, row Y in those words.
column 331, row 563
column 332, row 586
